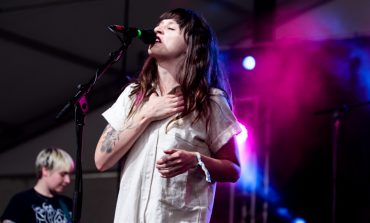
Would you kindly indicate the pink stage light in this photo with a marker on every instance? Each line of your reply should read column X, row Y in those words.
column 242, row 137
column 247, row 160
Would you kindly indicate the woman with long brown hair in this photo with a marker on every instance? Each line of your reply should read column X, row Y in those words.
column 174, row 126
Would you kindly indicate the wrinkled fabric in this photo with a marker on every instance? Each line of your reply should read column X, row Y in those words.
column 145, row 196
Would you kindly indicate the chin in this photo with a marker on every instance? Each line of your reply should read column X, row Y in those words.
column 150, row 51
column 59, row 190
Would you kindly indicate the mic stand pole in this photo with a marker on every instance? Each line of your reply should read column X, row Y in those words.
column 337, row 118
column 81, row 108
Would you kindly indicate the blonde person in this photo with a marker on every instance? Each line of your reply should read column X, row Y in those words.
column 174, row 126
column 44, row 203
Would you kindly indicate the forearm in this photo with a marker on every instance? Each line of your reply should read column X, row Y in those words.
column 224, row 165
column 221, row 170
column 113, row 145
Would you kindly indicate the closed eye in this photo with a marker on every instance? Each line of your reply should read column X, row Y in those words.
column 63, row 174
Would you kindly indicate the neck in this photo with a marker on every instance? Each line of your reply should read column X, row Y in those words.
column 42, row 189
column 169, row 76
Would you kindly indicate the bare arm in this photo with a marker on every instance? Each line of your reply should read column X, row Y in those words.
column 224, row 166
column 114, row 144
column 7, row 221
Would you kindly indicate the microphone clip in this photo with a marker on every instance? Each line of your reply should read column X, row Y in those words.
column 147, row 36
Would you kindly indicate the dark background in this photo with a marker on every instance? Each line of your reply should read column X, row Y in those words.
column 48, row 48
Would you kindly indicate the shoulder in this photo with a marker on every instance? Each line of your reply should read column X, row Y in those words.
column 128, row 89
column 216, row 92
column 130, row 86
column 219, row 99
column 19, row 206
column 24, row 194
column 126, row 93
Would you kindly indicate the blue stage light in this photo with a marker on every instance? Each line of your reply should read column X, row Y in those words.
column 249, row 63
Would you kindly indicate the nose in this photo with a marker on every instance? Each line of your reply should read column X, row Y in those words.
column 158, row 29
column 67, row 179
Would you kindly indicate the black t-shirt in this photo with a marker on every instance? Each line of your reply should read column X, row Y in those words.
column 32, row 207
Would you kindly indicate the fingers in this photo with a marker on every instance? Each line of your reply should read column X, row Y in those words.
column 169, row 159
column 175, row 100
column 171, row 168
column 169, row 102
column 161, row 107
column 175, row 162
column 168, row 173
column 167, row 99
column 173, row 165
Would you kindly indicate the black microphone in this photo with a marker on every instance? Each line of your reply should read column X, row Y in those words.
column 147, row 36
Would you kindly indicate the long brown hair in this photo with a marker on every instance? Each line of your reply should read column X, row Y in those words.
column 201, row 68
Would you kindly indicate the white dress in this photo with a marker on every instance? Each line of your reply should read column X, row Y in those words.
column 145, row 196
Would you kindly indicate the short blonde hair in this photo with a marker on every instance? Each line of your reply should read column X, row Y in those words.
column 52, row 159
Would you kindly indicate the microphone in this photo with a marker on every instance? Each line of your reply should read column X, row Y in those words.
column 147, row 36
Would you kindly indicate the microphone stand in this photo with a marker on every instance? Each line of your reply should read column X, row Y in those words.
column 337, row 114
column 81, row 108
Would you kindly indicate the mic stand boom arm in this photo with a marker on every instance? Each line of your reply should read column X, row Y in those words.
column 81, row 108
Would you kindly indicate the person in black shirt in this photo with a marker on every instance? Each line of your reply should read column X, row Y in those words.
column 44, row 203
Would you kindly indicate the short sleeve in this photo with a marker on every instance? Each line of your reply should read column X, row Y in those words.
column 223, row 123
column 15, row 210
column 118, row 112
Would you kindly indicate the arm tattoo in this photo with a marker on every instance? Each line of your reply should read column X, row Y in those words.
column 112, row 137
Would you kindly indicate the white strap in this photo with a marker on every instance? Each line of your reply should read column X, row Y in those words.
column 204, row 168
